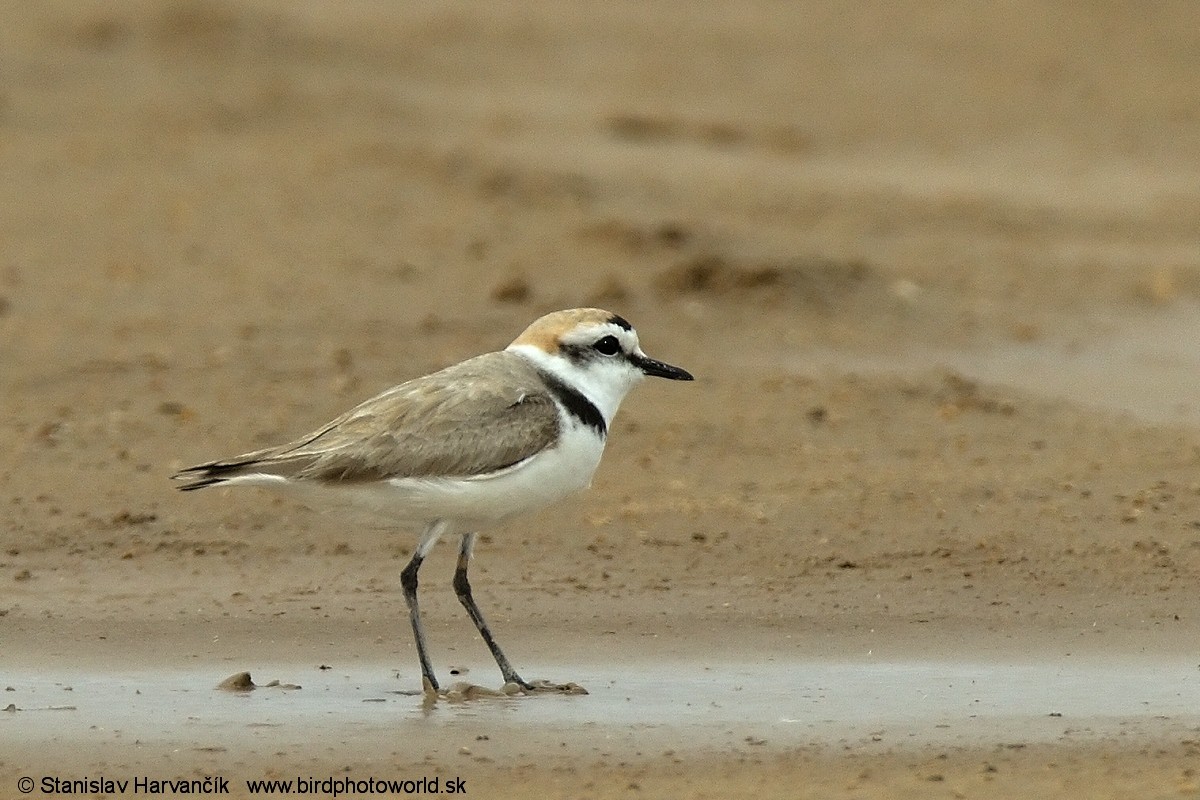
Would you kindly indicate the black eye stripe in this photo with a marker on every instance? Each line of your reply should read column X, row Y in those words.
column 582, row 353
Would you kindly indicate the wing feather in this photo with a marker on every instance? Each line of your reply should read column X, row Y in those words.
column 473, row 418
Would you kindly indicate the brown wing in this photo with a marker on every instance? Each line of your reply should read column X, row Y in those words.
column 473, row 418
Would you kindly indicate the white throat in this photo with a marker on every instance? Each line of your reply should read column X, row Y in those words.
column 605, row 386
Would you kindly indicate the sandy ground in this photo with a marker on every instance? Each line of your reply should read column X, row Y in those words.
column 905, row 253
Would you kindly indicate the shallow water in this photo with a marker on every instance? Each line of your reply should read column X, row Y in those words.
column 679, row 706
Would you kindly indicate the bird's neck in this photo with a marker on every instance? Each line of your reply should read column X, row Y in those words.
column 605, row 395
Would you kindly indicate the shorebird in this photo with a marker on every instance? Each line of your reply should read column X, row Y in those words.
column 469, row 446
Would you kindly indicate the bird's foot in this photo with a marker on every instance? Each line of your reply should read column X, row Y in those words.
column 459, row 692
column 542, row 687
column 462, row 691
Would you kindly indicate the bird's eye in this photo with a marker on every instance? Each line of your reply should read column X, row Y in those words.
column 607, row 346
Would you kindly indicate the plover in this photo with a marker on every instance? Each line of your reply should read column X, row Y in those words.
column 471, row 445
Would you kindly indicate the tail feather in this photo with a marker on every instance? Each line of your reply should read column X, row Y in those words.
column 210, row 474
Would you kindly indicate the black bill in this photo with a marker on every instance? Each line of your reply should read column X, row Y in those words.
column 658, row 369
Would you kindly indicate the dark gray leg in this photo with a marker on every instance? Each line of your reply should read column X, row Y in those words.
column 462, row 588
column 408, row 580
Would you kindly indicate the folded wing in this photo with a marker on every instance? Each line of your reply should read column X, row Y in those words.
column 471, row 419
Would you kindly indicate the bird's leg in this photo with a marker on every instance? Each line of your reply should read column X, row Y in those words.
column 462, row 588
column 408, row 580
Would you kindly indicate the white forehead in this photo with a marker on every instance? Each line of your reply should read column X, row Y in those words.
column 576, row 327
column 589, row 333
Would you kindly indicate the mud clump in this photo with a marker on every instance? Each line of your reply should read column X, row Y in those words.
column 238, row 682
column 241, row 682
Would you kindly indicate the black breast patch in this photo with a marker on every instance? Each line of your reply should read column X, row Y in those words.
column 576, row 404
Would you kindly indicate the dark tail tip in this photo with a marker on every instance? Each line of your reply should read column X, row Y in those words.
column 210, row 473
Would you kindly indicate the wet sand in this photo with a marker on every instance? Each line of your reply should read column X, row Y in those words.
column 937, row 482
column 688, row 707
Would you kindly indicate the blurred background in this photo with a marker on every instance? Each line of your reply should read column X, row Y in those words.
column 290, row 181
